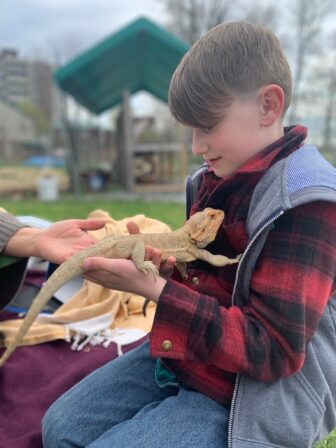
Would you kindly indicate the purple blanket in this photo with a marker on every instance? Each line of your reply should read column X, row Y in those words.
column 36, row 376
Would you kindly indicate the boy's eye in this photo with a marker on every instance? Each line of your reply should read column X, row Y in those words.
column 208, row 129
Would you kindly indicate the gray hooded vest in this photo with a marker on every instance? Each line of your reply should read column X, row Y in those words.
column 297, row 411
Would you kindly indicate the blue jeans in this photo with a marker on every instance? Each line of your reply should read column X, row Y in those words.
column 121, row 406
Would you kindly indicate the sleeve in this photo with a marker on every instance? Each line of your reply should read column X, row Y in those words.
column 12, row 269
column 290, row 287
column 8, row 226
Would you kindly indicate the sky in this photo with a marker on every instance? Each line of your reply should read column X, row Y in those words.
column 60, row 29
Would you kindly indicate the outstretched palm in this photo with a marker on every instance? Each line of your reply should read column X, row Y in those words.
column 64, row 238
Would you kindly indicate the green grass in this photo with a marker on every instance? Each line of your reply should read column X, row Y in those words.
column 169, row 212
column 328, row 442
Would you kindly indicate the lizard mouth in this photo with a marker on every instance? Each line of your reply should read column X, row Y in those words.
column 201, row 244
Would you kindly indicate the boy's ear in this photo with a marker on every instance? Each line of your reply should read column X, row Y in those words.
column 271, row 101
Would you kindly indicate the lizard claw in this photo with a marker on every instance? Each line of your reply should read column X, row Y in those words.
column 149, row 266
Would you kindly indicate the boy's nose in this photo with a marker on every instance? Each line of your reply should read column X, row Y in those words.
column 199, row 146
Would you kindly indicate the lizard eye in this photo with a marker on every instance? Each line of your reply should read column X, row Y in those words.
column 212, row 215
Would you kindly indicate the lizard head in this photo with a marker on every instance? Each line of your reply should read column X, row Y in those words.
column 202, row 227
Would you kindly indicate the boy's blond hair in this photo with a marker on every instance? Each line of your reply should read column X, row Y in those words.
column 232, row 59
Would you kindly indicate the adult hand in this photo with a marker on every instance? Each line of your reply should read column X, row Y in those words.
column 64, row 238
column 56, row 243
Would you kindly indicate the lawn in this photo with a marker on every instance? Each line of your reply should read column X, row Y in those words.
column 171, row 213
column 329, row 442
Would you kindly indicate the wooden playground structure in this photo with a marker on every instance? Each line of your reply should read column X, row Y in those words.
column 148, row 167
column 140, row 57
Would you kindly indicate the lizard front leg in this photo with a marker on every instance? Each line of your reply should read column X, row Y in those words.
column 182, row 268
column 215, row 260
column 138, row 256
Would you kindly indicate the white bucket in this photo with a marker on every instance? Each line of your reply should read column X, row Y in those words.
column 47, row 188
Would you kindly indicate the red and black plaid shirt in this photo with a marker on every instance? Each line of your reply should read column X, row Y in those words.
column 212, row 340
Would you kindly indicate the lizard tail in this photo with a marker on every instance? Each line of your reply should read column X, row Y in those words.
column 63, row 274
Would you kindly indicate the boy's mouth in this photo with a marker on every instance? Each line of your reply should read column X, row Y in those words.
column 212, row 161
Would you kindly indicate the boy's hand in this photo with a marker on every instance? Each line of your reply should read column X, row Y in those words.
column 165, row 268
column 123, row 275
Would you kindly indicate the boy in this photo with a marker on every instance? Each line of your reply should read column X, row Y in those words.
column 240, row 357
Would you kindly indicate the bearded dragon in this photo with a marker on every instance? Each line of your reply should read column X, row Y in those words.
column 185, row 244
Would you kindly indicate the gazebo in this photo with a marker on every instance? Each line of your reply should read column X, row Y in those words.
column 140, row 57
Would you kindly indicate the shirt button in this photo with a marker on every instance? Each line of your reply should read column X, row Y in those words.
column 195, row 280
column 167, row 346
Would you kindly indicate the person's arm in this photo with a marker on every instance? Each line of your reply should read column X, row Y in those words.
column 12, row 269
column 56, row 243
column 8, row 227
column 266, row 339
column 292, row 282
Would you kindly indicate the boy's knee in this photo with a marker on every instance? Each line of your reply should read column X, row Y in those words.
column 54, row 427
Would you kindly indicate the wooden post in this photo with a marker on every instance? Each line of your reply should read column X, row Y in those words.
column 72, row 153
column 125, row 145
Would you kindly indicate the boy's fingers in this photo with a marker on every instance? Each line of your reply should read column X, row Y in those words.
column 105, row 264
column 149, row 250
column 171, row 261
column 168, row 265
column 132, row 227
column 153, row 254
column 97, row 263
column 156, row 257
column 90, row 224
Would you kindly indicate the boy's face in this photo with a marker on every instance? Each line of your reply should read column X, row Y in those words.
column 235, row 139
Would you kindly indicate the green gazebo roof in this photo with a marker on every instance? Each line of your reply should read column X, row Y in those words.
column 141, row 56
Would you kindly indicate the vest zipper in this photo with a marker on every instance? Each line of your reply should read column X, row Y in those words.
column 235, row 390
column 249, row 246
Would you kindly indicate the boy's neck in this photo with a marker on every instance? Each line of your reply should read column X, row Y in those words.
column 272, row 134
column 269, row 135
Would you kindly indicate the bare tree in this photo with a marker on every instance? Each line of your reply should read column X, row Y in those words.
column 329, row 118
column 266, row 14
column 309, row 16
column 189, row 19
column 218, row 11
column 330, row 108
